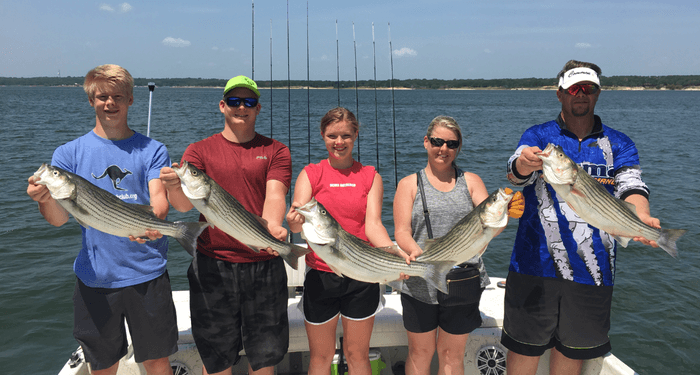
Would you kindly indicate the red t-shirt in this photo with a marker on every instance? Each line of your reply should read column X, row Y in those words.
column 243, row 170
column 343, row 192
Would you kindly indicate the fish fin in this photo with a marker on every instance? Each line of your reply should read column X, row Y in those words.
column 436, row 275
column 189, row 234
column 81, row 223
column 574, row 191
column 336, row 270
column 295, row 252
column 393, row 250
column 631, row 207
column 622, row 240
column 396, row 284
column 668, row 239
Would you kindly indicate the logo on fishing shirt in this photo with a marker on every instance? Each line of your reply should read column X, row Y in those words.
column 115, row 174
column 601, row 172
column 347, row 184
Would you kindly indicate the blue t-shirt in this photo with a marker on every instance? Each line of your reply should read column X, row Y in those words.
column 552, row 240
column 123, row 168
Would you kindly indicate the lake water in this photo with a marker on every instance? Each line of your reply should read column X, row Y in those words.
column 656, row 306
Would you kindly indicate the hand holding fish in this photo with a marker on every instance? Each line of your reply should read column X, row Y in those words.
column 38, row 193
column 150, row 235
column 528, row 161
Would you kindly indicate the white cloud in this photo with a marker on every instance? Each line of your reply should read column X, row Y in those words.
column 405, row 51
column 176, row 42
column 488, row 51
column 125, row 7
column 215, row 48
column 583, row 45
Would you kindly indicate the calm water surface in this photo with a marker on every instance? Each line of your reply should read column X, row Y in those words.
column 656, row 307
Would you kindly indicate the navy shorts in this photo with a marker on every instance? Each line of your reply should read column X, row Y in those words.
column 239, row 305
column 541, row 313
column 149, row 311
column 421, row 317
column 326, row 295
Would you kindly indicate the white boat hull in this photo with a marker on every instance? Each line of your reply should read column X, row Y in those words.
column 484, row 353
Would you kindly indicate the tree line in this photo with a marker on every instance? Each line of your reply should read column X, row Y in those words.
column 647, row 82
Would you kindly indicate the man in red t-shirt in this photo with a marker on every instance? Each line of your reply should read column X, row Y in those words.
column 238, row 298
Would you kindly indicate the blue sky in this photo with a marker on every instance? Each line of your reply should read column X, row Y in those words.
column 444, row 39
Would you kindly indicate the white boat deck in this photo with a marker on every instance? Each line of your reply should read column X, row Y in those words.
column 484, row 353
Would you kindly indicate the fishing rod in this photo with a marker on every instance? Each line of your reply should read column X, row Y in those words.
column 376, row 109
column 337, row 59
column 270, row 77
column 252, row 54
column 289, row 85
column 357, row 98
column 393, row 106
column 308, row 88
column 151, row 87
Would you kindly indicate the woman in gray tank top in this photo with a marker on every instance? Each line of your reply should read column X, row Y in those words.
column 450, row 194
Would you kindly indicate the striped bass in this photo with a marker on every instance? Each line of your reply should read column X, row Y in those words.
column 594, row 204
column 93, row 207
column 222, row 210
column 470, row 236
column 350, row 256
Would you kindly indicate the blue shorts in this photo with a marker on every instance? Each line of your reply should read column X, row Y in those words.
column 541, row 313
column 326, row 295
column 239, row 305
column 99, row 321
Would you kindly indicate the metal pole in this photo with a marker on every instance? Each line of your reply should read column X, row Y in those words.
column 151, row 87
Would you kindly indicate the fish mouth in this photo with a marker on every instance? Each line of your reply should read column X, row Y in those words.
column 546, row 152
column 37, row 175
column 182, row 170
column 308, row 209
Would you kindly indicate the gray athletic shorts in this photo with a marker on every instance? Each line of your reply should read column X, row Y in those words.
column 99, row 321
column 239, row 305
column 541, row 313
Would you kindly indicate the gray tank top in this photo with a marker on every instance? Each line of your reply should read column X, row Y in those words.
column 445, row 209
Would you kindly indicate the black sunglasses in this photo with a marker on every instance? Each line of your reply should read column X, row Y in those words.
column 232, row 101
column 438, row 142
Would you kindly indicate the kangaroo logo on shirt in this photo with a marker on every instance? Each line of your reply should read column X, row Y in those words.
column 115, row 174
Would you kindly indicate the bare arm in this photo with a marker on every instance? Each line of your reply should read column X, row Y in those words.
column 374, row 228
column 274, row 208
column 644, row 213
column 403, row 208
column 174, row 193
column 302, row 195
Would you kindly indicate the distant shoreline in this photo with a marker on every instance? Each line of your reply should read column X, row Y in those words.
column 542, row 88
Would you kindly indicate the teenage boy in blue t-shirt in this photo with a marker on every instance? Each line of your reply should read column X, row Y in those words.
column 117, row 278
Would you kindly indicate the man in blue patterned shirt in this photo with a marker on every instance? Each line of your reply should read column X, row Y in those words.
column 562, row 270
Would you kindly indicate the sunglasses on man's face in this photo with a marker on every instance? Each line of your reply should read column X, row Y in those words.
column 438, row 142
column 232, row 101
column 587, row 89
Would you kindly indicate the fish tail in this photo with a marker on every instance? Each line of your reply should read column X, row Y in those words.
column 295, row 251
column 189, row 231
column 437, row 274
column 668, row 239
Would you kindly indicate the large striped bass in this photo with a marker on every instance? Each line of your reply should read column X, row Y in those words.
column 350, row 256
column 93, row 207
column 594, row 204
column 473, row 232
column 222, row 210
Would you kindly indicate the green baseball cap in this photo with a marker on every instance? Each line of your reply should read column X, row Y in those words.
column 241, row 81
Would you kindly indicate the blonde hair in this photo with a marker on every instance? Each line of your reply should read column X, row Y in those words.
column 337, row 115
column 449, row 123
column 108, row 75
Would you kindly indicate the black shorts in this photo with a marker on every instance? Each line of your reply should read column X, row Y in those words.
column 239, row 305
column 420, row 317
column 326, row 295
column 541, row 313
column 149, row 310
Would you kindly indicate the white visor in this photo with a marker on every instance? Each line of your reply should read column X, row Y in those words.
column 576, row 75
